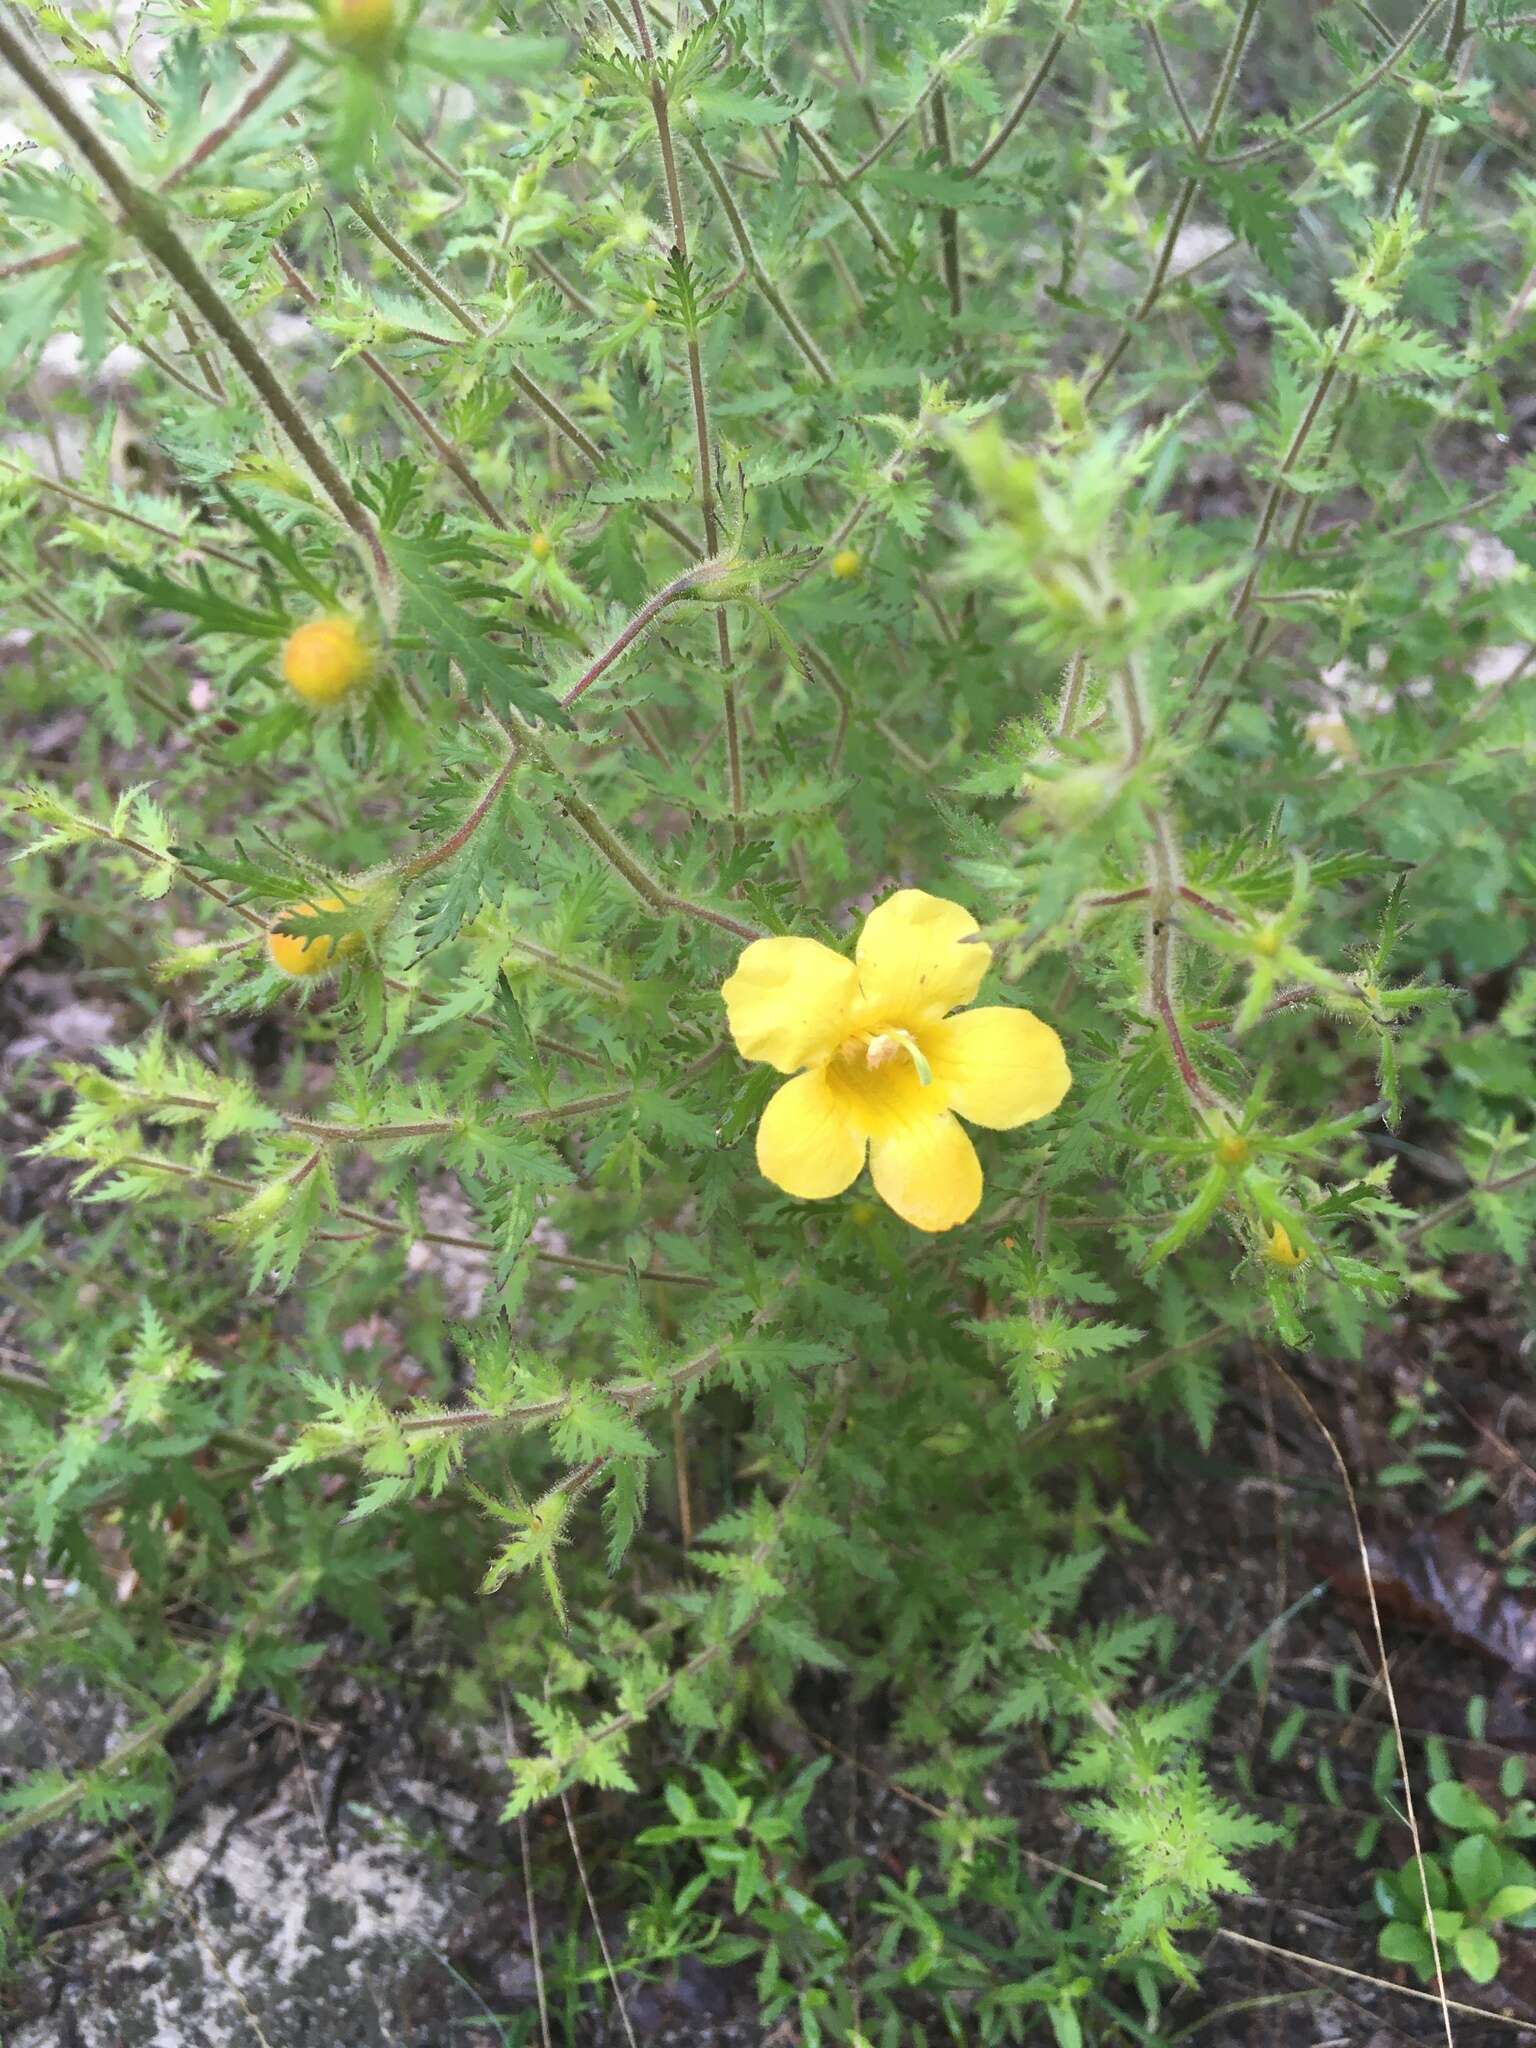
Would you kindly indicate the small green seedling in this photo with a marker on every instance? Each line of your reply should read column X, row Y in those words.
column 1478, row 1885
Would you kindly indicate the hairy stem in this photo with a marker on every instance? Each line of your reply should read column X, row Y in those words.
column 654, row 894
column 441, row 446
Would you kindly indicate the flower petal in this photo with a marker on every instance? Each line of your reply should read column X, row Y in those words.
column 928, row 1173
column 788, row 1001
column 805, row 1143
column 912, row 965
column 998, row 1068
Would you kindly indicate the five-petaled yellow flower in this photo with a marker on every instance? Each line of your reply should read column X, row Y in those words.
column 879, row 1064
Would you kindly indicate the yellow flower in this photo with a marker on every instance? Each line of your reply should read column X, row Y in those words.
column 879, row 1064
column 846, row 563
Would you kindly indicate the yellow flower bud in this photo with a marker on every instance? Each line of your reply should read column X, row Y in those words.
column 1234, row 1150
column 325, row 660
column 1266, row 942
column 540, row 547
column 1279, row 1250
column 304, row 958
column 846, row 563
column 360, row 27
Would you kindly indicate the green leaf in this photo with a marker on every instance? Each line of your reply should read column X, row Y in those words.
column 1413, row 1890
column 1400, row 1943
column 1478, row 1954
column 1476, row 1868
column 1458, row 1807
column 468, row 54
column 1260, row 211
column 439, row 612
column 210, row 610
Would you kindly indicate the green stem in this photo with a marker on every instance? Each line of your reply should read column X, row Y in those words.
column 1257, row 151
column 1181, row 105
column 387, row 1226
column 260, row 90
column 932, row 90
column 679, row 587
column 812, row 143
column 535, row 393
column 1456, row 33
column 436, row 856
column 106, row 506
column 949, row 217
column 441, row 446
column 423, row 274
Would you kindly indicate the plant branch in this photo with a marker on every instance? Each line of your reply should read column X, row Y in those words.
column 793, row 326
column 1026, row 100
column 260, row 90
column 621, row 1723
column 1181, row 105
column 537, row 396
column 112, row 511
column 1257, row 151
column 143, row 1739
column 817, row 149
column 703, row 445
column 1226, row 80
column 439, row 443
column 949, row 217
column 658, row 899
column 147, row 221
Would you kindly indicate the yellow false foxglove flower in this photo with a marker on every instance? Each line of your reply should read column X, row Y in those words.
column 881, row 1068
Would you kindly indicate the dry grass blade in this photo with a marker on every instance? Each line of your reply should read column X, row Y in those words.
column 535, row 1945
column 1299, row 1396
column 1439, row 1999
column 597, row 1925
